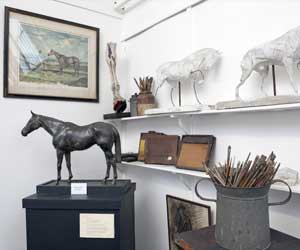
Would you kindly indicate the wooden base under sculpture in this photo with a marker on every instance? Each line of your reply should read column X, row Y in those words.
column 181, row 109
column 264, row 101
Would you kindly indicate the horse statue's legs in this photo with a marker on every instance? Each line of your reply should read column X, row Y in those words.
column 68, row 162
column 108, row 166
column 110, row 162
column 115, row 170
column 160, row 80
column 237, row 90
column 171, row 96
column 262, row 85
column 244, row 77
column 60, row 155
column 195, row 90
column 264, row 71
column 288, row 63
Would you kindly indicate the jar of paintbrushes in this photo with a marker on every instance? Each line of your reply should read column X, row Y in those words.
column 145, row 99
column 242, row 221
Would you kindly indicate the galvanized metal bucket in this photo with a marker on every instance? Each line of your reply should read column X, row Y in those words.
column 242, row 221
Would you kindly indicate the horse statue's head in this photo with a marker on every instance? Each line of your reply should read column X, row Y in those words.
column 51, row 52
column 33, row 124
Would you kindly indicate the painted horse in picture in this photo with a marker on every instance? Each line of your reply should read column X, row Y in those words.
column 66, row 61
column 69, row 137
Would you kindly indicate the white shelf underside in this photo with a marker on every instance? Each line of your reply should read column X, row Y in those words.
column 282, row 107
column 174, row 170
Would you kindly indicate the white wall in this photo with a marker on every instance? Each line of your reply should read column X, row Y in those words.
column 232, row 26
column 26, row 162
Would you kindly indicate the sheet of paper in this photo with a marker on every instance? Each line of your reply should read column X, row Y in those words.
column 78, row 188
column 97, row 226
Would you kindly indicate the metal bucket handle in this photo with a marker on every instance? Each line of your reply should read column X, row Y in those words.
column 270, row 204
column 197, row 193
column 287, row 199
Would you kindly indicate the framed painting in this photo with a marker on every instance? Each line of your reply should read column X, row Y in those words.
column 45, row 57
column 183, row 216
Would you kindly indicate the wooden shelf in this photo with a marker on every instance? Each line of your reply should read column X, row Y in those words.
column 174, row 170
column 276, row 108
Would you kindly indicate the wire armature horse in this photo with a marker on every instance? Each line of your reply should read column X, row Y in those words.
column 66, row 61
column 69, row 137
column 194, row 67
column 283, row 51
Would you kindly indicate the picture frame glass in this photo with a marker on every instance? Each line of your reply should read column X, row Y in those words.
column 183, row 216
column 51, row 58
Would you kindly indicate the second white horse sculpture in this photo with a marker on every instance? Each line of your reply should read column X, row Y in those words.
column 192, row 68
column 283, row 51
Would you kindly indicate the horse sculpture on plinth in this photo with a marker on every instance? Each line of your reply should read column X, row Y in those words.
column 69, row 137
column 66, row 61
column 283, row 51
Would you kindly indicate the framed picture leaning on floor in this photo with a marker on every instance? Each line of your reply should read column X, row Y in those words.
column 183, row 216
column 45, row 57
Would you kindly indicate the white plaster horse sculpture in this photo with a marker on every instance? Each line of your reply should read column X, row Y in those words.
column 192, row 68
column 283, row 51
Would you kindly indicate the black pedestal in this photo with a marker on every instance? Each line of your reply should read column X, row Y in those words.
column 54, row 217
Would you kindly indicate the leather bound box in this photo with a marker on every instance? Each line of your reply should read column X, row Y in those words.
column 162, row 149
column 142, row 144
column 195, row 150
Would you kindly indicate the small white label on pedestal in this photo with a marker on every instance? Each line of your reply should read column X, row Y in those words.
column 100, row 226
column 78, row 188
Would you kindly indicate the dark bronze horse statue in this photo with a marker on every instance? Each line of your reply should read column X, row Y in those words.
column 66, row 61
column 68, row 137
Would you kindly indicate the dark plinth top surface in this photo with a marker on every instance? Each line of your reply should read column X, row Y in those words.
column 93, row 187
column 204, row 239
column 92, row 183
column 52, row 196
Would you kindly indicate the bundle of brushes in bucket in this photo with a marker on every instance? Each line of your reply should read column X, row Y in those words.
column 247, row 174
column 242, row 221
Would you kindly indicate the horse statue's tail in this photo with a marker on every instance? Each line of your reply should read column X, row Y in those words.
column 118, row 152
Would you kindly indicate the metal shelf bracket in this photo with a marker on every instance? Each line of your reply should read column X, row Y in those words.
column 184, row 123
column 186, row 128
column 186, row 181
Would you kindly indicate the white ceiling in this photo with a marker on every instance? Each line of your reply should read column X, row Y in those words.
column 103, row 6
